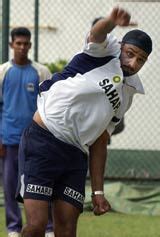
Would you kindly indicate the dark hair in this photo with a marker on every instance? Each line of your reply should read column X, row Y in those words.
column 96, row 19
column 140, row 39
column 20, row 31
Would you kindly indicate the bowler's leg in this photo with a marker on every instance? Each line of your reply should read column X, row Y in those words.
column 65, row 219
column 37, row 218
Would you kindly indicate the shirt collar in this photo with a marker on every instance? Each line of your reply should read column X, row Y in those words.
column 134, row 82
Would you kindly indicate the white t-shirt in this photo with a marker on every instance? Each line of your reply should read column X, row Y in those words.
column 79, row 109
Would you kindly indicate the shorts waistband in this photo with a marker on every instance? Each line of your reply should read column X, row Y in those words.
column 44, row 131
column 48, row 133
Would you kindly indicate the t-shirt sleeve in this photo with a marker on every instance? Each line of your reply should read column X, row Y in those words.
column 110, row 128
column 110, row 47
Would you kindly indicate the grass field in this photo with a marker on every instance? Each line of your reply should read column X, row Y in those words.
column 109, row 225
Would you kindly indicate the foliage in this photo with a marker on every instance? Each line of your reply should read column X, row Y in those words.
column 56, row 66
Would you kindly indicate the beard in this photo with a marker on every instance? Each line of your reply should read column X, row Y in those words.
column 127, row 72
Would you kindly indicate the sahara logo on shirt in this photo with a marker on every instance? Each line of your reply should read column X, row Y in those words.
column 111, row 92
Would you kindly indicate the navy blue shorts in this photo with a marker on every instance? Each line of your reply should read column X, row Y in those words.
column 50, row 169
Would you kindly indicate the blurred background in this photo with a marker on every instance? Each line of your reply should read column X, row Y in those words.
column 58, row 30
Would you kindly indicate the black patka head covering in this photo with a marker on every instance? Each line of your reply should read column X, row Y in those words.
column 140, row 39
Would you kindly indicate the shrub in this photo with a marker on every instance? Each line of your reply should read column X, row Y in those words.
column 57, row 66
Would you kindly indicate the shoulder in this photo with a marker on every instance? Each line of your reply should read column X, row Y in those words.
column 5, row 65
column 4, row 68
column 39, row 66
column 42, row 70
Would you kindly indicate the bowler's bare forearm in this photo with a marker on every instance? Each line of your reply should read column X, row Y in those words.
column 98, row 154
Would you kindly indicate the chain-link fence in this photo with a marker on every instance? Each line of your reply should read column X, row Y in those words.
column 63, row 24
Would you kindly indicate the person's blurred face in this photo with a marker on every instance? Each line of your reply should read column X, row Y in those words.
column 21, row 46
column 132, row 59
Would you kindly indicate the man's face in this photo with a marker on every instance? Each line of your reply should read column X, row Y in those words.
column 21, row 46
column 132, row 59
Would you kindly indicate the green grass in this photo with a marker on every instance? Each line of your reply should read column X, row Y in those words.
column 2, row 223
column 118, row 225
column 109, row 225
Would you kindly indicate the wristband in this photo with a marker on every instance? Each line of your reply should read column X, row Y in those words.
column 94, row 193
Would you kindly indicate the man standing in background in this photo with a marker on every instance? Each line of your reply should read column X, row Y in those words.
column 19, row 80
